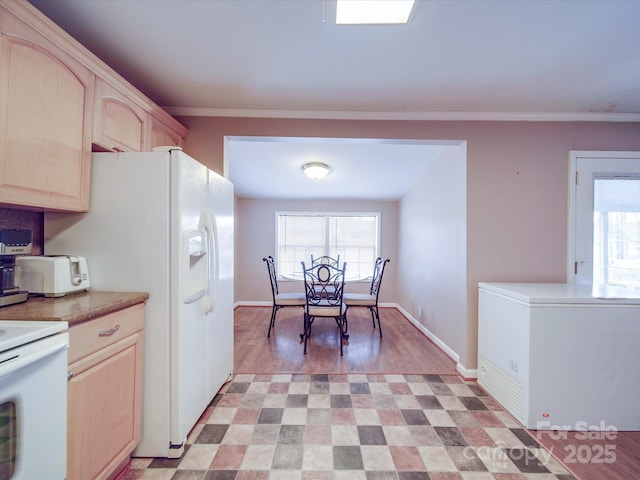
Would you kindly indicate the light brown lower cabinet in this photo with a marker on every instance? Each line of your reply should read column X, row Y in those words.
column 104, row 393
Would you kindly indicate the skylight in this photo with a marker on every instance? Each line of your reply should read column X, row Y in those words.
column 361, row 12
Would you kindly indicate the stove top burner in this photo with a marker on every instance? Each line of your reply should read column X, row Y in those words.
column 14, row 333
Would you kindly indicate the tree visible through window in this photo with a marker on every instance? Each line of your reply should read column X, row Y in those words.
column 353, row 236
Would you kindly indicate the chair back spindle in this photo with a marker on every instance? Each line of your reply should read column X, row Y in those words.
column 273, row 278
column 378, row 271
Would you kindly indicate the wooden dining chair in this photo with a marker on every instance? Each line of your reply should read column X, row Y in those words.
column 369, row 300
column 280, row 300
column 324, row 287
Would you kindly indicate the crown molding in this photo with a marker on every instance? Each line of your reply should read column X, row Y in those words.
column 437, row 116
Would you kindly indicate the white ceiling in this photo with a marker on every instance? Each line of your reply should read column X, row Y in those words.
column 268, row 167
column 463, row 59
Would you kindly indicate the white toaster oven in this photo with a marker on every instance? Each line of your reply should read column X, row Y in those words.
column 53, row 275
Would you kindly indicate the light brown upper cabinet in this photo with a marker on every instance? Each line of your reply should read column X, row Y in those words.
column 46, row 113
column 58, row 101
column 119, row 123
column 162, row 135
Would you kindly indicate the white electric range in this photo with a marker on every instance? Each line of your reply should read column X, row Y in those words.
column 33, row 399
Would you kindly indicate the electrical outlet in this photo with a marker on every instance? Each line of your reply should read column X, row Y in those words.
column 419, row 312
column 513, row 365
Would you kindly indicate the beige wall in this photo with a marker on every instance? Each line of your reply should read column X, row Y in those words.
column 432, row 249
column 255, row 239
column 516, row 188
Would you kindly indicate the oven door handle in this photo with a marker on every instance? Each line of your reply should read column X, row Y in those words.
column 13, row 363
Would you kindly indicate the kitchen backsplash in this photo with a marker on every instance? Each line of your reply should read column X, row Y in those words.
column 13, row 218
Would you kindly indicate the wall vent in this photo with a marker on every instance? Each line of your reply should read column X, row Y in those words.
column 502, row 387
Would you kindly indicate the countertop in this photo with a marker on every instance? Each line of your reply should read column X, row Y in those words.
column 73, row 308
column 565, row 293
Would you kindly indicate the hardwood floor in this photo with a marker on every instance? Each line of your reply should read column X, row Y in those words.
column 595, row 455
column 403, row 349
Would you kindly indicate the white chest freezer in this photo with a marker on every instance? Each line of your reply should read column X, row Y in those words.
column 557, row 358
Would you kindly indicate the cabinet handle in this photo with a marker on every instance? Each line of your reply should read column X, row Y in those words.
column 111, row 331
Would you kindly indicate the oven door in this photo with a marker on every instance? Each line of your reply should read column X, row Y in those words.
column 33, row 410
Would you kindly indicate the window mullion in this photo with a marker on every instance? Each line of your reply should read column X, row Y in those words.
column 327, row 233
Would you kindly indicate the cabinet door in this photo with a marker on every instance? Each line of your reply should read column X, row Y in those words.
column 104, row 399
column 161, row 135
column 46, row 109
column 119, row 123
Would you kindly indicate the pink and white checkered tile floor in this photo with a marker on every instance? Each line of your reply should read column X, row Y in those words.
column 354, row 427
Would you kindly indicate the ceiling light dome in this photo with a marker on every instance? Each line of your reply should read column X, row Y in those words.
column 374, row 12
column 316, row 170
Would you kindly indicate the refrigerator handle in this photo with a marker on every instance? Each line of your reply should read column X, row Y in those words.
column 213, row 270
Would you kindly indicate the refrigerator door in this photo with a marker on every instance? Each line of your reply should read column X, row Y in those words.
column 190, row 258
column 220, row 321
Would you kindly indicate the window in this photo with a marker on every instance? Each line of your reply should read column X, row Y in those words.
column 353, row 236
column 616, row 232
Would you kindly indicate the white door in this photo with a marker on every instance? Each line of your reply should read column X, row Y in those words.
column 189, row 277
column 604, row 219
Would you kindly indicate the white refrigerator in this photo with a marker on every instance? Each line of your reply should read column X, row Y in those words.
column 161, row 222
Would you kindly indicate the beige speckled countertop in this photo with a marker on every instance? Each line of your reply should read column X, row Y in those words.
column 74, row 308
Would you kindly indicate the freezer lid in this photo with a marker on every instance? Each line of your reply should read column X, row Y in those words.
column 560, row 293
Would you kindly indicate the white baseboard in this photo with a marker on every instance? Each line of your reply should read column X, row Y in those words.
column 253, row 304
column 451, row 353
column 430, row 335
column 467, row 373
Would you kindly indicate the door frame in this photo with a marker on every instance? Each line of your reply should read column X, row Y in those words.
column 574, row 156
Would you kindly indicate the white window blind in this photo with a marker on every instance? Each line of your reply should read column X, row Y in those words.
column 353, row 236
column 616, row 231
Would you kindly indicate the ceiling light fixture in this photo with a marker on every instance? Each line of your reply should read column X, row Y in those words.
column 360, row 12
column 316, row 170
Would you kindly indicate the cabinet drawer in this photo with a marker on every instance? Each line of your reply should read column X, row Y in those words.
column 91, row 336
